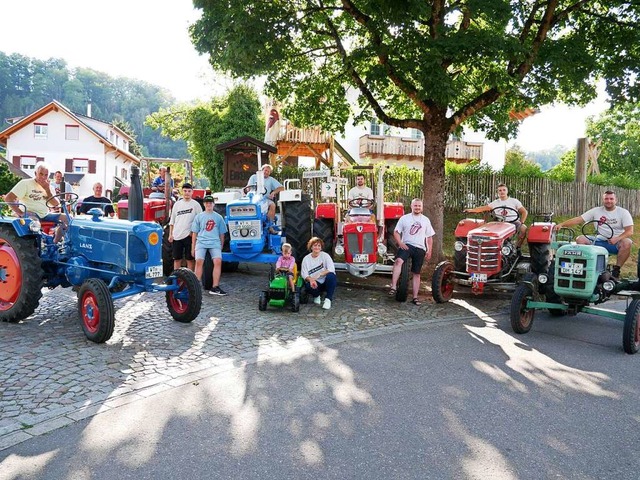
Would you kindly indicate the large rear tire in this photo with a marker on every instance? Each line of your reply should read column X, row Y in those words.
column 167, row 252
column 539, row 253
column 392, row 244
column 227, row 267
column 297, row 226
column 324, row 228
column 402, row 291
column 521, row 317
column 631, row 330
column 95, row 307
column 21, row 278
column 263, row 301
column 441, row 283
column 184, row 304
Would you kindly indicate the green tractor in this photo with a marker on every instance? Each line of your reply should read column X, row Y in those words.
column 578, row 278
column 279, row 293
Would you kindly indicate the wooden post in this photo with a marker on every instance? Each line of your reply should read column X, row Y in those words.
column 581, row 170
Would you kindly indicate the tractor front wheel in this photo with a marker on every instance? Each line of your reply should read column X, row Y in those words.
column 631, row 330
column 295, row 302
column 184, row 304
column 21, row 279
column 402, row 291
column 95, row 307
column 263, row 300
column 521, row 316
column 442, row 282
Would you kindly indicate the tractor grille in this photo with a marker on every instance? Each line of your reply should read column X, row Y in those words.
column 572, row 280
column 353, row 245
column 483, row 257
column 277, row 294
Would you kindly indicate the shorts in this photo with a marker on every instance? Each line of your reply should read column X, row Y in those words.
column 182, row 248
column 201, row 252
column 417, row 257
column 613, row 249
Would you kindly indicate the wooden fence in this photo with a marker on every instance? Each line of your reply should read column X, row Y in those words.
column 538, row 195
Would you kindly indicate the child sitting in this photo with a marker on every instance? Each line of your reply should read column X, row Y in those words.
column 286, row 265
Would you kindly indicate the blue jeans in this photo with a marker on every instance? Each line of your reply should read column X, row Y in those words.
column 329, row 286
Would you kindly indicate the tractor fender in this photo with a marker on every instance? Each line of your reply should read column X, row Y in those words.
column 540, row 232
column 466, row 225
column 393, row 210
column 20, row 225
column 327, row 210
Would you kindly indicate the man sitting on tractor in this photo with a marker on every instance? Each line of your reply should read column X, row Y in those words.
column 621, row 225
column 360, row 190
column 36, row 195
column 158, row 184
column 504, row 200
column 271, row 186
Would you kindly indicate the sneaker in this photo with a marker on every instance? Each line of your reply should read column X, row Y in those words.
column 317, row 300
column 615, row 272
column 327, row 304
column 217, row 291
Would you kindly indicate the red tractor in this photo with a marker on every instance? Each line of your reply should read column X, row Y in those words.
column 363, row 237
column 486, row 255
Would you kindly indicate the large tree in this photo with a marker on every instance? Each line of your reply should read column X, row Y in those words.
column 433, row 65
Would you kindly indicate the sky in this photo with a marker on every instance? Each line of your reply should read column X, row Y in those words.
column 148, row 40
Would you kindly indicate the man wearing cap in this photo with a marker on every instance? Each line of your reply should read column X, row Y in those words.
column 182, row 215
column 208, row 231
column 271, row 188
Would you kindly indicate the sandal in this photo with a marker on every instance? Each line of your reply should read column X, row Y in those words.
column 392, row 291
column 415, row 301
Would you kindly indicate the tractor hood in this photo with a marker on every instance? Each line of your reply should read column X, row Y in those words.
column 494, row 230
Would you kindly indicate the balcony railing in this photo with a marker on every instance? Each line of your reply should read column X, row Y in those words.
column 399, row 147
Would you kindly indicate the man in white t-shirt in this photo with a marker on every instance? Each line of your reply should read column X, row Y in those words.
column 621, row 223
column 360, row 190
column 508, row 214
column 182, row 215
column 414, row 235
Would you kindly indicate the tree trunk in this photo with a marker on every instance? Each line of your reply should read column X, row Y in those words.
column 435, row 138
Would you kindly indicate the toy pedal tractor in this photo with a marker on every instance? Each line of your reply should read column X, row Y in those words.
column 578, row 277
column 280, row 294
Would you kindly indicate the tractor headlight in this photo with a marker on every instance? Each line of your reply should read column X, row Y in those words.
column 458, row 246
column 253, row 232
column 608, row 286
column 35, row 225
column 154, row 238
column 382, row 249
column 339, row 250
column 543, row 278
column 235, row 233
column 506, row 250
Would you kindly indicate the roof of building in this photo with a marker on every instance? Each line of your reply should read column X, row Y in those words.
column 13, row 169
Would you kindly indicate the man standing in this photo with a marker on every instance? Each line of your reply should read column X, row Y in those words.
column 504, row 200
column 56, row 185
column 414, row 235
column 208, row 231
column 271, row 188
column 360, row 190
column 621, row 223
column 182, row 215
column 97, row 201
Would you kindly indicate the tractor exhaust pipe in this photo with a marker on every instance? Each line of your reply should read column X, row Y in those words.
column 135, row 195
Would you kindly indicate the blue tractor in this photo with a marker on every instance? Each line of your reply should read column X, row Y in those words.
column 103, row 259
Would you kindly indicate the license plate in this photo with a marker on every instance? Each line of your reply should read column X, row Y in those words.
column 360, row 258
column 479, row 277
column 153, row 272
column 571, row 268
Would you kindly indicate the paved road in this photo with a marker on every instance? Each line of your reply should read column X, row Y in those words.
column 463, row 398
column 52, row 376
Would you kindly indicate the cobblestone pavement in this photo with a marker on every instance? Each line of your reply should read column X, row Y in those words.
column 52, row 376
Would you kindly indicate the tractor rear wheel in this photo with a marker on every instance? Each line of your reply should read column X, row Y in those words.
column 297, row 226
column 21, row 279
column 295, row 302
column 263, row 300
column 167, row 252
column 227, row 267
column 304, row 295
column 539, row 253
column 521, row 317
column 96, row 310
column 631, row 330
column 184, row 304
column 441, row 283
column 402, row 290
column 389, row 227
column 324, row 228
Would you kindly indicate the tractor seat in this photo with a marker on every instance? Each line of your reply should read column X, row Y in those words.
column 360, row 215
column 48, row 227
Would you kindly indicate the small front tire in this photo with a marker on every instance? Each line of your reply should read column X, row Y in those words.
column 263, row 300
column 185, row 303
column 521, row 316
column 95, row 307
column 631, row 330
column 402, row 292
column 442, row 283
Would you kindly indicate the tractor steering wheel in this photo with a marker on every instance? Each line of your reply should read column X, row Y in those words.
column 595, row 237
column 361, row 203
column 74, row 198
column 253, row 188
column 501, row 213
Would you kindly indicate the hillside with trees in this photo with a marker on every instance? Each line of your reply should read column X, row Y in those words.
column 27, row 84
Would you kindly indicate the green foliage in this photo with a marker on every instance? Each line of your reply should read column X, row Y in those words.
column 7, row 179
column 205, row 126
column 27, row 84
column 472, row 168
column 549, row 158
column 565, row 171
column 517, row 164
column 618, row 131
